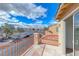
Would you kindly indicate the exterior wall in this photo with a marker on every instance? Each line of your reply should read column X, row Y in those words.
column 66, row 29
column 52, row 30
column 69, row 32
column 62, row 37
column 66, row 34
column 61, row 33
column 51, row 36
column 47, row 33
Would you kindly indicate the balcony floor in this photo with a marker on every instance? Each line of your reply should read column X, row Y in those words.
column 44, row 50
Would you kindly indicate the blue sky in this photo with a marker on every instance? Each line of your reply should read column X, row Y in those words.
column 76, row 19
column 51, row 12
column 36, row 13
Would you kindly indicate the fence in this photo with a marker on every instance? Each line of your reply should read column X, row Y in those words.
column 16, row 48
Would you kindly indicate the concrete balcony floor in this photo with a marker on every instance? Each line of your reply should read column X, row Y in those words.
column 76, row 52
column 44, row 50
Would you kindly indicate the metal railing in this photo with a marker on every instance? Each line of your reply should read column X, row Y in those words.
column 16, row 48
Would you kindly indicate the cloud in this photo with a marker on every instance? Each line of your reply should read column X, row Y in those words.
column 1, row 23
column 6, row 7
column 54, row 22
column 37, row 12
column 51, row 22
column 4, row 15
column 37, row 25
column 38, row 22
column 14, row 20
column 14, row 13
column 29, row 10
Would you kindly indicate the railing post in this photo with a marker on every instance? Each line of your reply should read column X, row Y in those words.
column 2, row 51
column 36, row 38
column 15, row 50
column 6, row 51
column 10, row 51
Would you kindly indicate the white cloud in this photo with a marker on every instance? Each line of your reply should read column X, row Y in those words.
column 14, row 13
column 14, row 20
column 37, row 12
column 4, row 15
column 54, row 22
column 5, row 7
column 51, row 22
column 39, row 22
column 1, row 23
column 31, row 11
column 37, row 25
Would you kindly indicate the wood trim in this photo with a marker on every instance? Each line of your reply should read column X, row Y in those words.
column 65, row 5
column 66, row 10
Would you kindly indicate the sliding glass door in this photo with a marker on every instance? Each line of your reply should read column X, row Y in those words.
column 76, row 34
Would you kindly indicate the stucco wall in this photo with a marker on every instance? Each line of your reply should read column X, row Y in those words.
column 62, row 37
column 52, row 30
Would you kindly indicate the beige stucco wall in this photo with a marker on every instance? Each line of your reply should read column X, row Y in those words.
column 61, row 32
column 52, row 30
column 62, row 37
column 66, row 34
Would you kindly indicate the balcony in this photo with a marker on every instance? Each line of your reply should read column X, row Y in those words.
column 30, row 47
column 16, row 48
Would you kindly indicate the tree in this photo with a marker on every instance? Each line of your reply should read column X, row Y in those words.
column 7, row 30
column 20, row 30
column 77, row 29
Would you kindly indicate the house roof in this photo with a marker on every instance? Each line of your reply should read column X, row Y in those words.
column 65, row 9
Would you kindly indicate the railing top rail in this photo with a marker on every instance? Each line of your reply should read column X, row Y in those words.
column 12, row 43
column 6, row 45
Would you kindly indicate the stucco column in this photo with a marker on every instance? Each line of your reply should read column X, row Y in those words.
column 62, row 37
column 36, row 38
